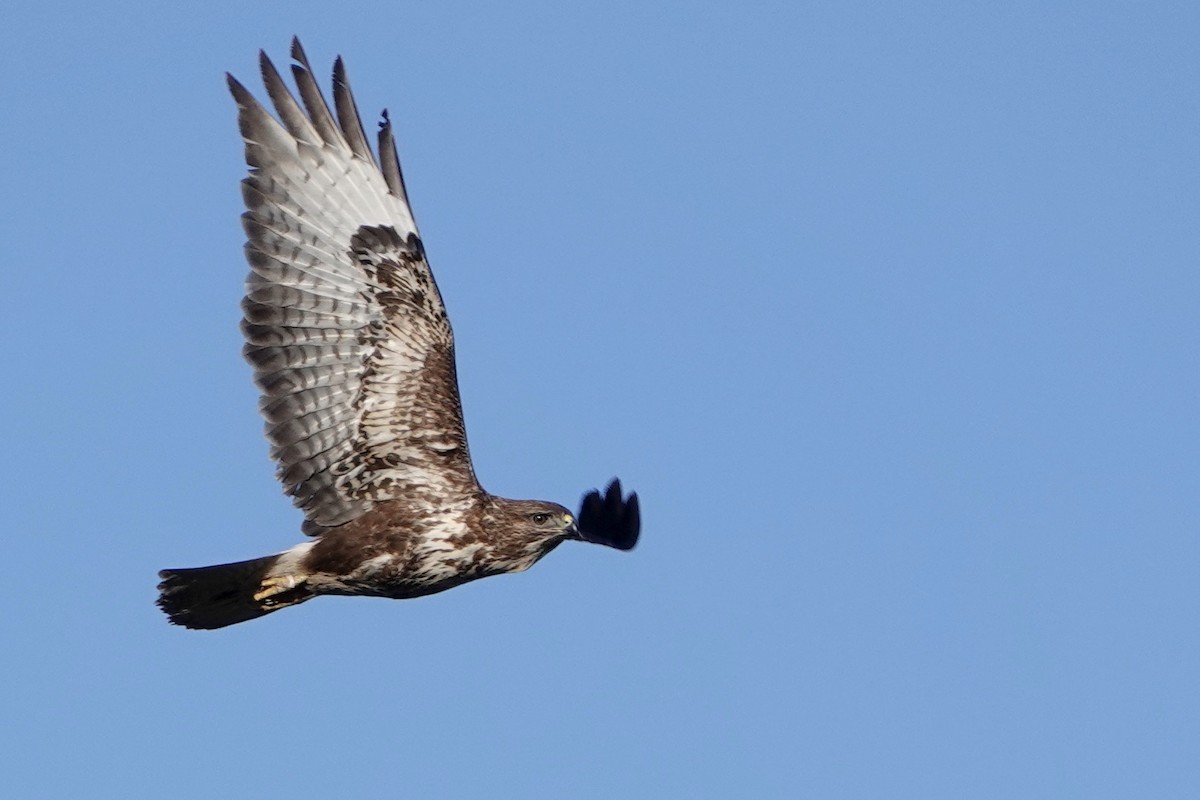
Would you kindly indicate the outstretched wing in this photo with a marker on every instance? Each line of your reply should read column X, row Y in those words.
column 610, row 519
column 344, row 324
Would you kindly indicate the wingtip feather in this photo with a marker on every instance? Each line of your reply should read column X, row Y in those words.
column 239, row 92
column 297, row 52
column 347, row 113
column 611, row 519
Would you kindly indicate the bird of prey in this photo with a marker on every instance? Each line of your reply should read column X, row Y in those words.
column 353, row 353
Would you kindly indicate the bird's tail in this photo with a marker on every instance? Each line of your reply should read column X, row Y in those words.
column 220, row 595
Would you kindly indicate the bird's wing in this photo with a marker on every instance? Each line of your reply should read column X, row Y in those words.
column 344, row 324
column 610, row 518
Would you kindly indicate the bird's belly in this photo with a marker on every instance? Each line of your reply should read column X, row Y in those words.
column 420, row 572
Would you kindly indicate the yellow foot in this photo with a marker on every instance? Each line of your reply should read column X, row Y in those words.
column 278, row 585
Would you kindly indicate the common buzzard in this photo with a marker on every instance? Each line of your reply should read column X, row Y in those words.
column 354, row 355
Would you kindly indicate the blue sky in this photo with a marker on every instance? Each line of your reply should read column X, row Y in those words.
column 888, row 311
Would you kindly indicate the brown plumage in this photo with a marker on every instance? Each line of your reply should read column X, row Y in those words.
column 354, row 354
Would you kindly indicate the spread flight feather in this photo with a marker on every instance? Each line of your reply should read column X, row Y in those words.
column 344, row 323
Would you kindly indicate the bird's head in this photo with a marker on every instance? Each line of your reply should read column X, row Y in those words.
column 538, row 519
column 610, row 519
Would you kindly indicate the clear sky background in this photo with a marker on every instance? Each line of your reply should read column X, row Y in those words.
column 888, row 311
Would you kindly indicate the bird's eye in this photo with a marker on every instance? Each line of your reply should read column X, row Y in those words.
column 539, row 518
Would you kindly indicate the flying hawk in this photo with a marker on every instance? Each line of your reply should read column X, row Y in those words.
column 354, row 355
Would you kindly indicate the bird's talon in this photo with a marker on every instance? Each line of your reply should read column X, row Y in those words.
column 277, row 585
